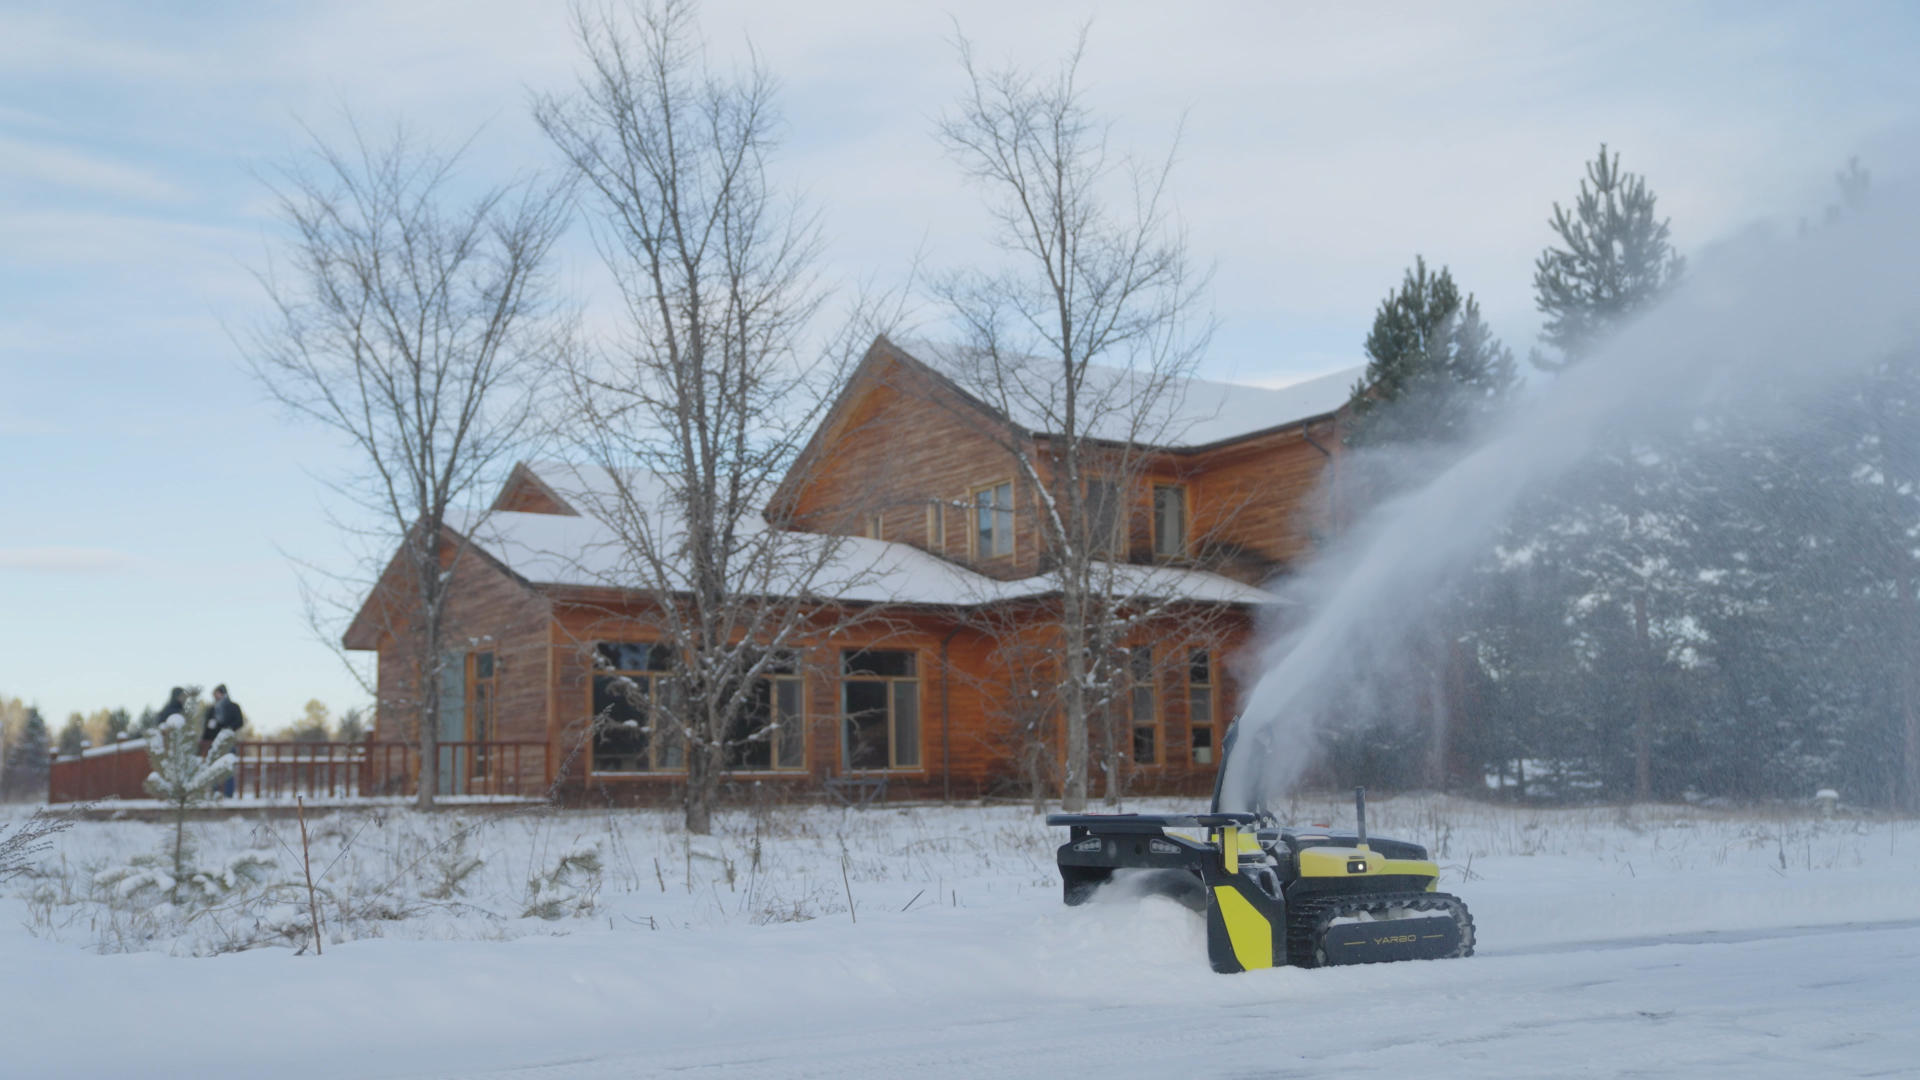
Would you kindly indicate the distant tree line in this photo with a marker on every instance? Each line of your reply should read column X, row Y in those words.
column 1710, row 610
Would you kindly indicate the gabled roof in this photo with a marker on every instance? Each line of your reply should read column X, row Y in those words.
column 1195, row 414
column 1186, row 414
column 583, row 551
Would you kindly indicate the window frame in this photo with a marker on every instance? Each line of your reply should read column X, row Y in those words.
column 1200, row 661
column 779, row 743
column 1142, row 686
column 1005, row 513
column 1115, row 544
column 1161, row 549
column 476, row 729
column 936, row 527
column 653, row 678
column 893, row 684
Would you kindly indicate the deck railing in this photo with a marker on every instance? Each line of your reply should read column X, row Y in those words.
column 117, row 770
column 280, row 770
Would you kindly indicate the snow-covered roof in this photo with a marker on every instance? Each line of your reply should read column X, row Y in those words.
column 586, row 551
column 1185, row 414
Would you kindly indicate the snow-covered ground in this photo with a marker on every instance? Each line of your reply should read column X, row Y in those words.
column 1656, row 941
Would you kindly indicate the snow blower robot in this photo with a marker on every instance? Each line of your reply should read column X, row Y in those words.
column 1275, row 896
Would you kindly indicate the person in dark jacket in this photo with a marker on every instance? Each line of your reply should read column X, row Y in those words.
column 225, row 715
column 176, row 705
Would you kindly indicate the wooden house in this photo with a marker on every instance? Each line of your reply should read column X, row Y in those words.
column 916, row 473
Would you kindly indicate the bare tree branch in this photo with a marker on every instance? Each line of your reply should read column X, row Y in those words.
column 417, row 324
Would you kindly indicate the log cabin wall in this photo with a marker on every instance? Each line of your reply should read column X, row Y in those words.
column 1260, row 503
column 903, row 440
column 906, row 449
column 967, row 749
column 488, row 611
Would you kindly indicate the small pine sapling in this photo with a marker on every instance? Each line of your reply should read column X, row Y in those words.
column 183, row 780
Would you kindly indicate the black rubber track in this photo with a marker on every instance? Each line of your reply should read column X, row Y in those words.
column 1309, row 918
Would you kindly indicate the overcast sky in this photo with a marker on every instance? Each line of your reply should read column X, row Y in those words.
column 152, row 497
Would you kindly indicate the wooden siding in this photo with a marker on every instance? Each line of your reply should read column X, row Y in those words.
column 527, row 494
column 965, row 751
column 488, row 609
column 902, row 439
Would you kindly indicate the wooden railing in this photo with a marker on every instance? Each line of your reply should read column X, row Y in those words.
column 278, row 771
column 118, row 770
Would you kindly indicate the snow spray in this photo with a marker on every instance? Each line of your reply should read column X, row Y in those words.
column 1792, row 315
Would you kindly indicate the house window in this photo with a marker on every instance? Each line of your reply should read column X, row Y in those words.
column 1169, row 520
column 875, row 530
column 1200, row 706
column 993, row 520
column 881, row 690
column 1103, row 517
column 771, row 733
column 480, row 711
column 1140, row 705
column 628, row 679
column 936, row 527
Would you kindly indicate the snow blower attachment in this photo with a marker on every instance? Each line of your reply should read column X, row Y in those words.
column 1273, row 896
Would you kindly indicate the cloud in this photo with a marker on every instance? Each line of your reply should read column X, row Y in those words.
column 65, row 168
column 65, row 560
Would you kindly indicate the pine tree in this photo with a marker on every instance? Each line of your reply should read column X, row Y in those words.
column 73, row 735
column 1612, row 556
column 183, row 780
column 1433, row 367
column 1616, row 261
column 25, row 771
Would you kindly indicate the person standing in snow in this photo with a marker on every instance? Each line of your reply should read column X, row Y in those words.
column 224, row 715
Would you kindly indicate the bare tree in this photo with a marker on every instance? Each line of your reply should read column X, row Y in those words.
column 417, row 323
column 1084, row 339
column 696, row 412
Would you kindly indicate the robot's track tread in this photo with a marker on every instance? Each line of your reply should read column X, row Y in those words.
column 1309, row 918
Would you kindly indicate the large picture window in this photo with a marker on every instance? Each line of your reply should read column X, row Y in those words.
column 628, row 679
column 1200, row 701
column 771, row 734
column 993, row 520
column 881, row 689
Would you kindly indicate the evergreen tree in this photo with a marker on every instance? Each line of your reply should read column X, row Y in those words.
column 1616, row 261
column 73, row 735
column 183, row 780
column 24, row 774
column 1433, row 367
column 1434, row 373
column 1611, row 556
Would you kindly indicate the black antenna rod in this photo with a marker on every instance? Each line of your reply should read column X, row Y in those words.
column 1360, row 813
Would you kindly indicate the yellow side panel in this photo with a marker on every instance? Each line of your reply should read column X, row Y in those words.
column 1250, row 932
column 1332, row 862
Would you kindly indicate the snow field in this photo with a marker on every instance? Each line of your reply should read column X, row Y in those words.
column 692, row 956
